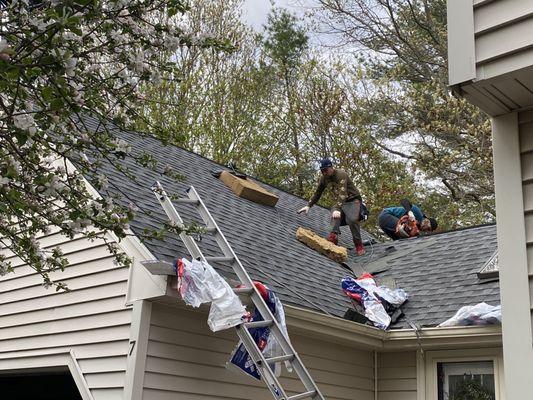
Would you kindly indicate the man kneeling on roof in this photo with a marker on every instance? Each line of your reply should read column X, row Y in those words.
column 405, row 221
column 346, row 208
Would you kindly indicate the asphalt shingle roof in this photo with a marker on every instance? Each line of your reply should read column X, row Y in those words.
column 438, row 272
column 439, row 276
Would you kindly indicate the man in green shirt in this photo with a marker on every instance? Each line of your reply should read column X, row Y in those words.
column 345, row 210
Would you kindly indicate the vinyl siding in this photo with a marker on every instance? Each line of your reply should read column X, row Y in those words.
column 185, row 360
column 504, row 35
column 397, row 376
column 526, row 150
column 91, row 319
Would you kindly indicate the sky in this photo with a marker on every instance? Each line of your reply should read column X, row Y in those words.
column 255, row 12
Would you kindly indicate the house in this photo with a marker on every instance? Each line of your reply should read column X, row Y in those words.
column 491, row 65
column 124, row 334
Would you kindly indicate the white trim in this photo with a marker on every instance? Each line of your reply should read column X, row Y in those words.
column 492, row 354
column 139, row 332
column 50, row 359
column 420, row 375
column 314, row 324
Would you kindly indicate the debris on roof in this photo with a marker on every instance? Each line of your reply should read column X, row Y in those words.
column 248, row 189
column 479, row 314
column 323, row 246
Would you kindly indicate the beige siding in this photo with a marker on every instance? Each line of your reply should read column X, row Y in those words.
column 504, row 34
column 526, row 150
column 397, row 376
column 185, row 360
column 91, row 319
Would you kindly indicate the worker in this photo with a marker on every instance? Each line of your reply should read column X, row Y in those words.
column 345, row 210
column 405, row 221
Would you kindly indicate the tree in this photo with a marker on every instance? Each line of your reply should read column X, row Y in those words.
column 401, row 96
column 62, row 62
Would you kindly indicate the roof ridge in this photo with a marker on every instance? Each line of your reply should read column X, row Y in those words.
column 152, row 136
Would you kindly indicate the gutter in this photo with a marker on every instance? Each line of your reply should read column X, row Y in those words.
column 353, row 334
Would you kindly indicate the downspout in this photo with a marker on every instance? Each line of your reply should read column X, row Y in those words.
column 375, row 375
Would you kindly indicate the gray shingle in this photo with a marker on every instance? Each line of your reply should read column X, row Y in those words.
column 439, row 277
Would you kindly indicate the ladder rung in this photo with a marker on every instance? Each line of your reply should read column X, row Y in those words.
column 258, row 324
column 245, row 290
column 186, row 201
column 303, row 395
column 220, row 259
column 286, row 357
column 211, row 230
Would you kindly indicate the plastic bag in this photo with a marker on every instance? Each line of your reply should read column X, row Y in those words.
column 200, row 283
column 268, row 345
column 364, row 289
column 480, row 314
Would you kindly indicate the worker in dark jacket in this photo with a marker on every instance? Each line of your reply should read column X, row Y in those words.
column 345, row 210
column 405, row 221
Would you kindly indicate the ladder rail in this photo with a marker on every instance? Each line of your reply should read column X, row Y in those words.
column 270, row 379
column 257, row 299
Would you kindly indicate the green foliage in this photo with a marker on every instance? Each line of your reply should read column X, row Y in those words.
column 471, row 390
column 63, row 63
column 401, row 96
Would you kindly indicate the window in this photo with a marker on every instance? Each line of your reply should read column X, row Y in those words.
column 466, row 380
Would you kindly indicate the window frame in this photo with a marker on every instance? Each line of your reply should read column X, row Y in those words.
column 432, row 358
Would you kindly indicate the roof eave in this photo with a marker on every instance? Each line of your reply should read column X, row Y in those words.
column 321, row 326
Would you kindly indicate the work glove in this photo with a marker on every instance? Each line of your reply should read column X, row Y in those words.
column 304, row 210
column 336, row 214
column 411, row 216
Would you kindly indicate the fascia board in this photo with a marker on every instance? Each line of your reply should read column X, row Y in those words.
column 318, row 325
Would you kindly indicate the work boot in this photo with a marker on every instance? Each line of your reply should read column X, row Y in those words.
column 360, row 249
column 333, row 238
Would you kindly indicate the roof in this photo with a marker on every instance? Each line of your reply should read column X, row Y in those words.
column 439, row 274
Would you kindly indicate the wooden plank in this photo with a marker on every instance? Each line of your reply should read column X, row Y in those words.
column 323, row 246
column 53, row 299
column 248, row 189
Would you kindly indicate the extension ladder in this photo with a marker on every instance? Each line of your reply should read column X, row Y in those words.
column 247, row 288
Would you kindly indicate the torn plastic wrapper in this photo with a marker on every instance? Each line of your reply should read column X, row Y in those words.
column 265, row 342
column 199, row 283
column 365, row 291
column 479, row 314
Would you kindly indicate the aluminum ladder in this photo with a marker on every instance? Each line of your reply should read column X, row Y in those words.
column 248, row 289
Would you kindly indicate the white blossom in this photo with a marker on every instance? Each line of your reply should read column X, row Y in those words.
column 70, row 64
column 25, row 122
column 103, row 181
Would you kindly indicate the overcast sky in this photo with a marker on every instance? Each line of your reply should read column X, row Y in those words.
column 256, row 11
